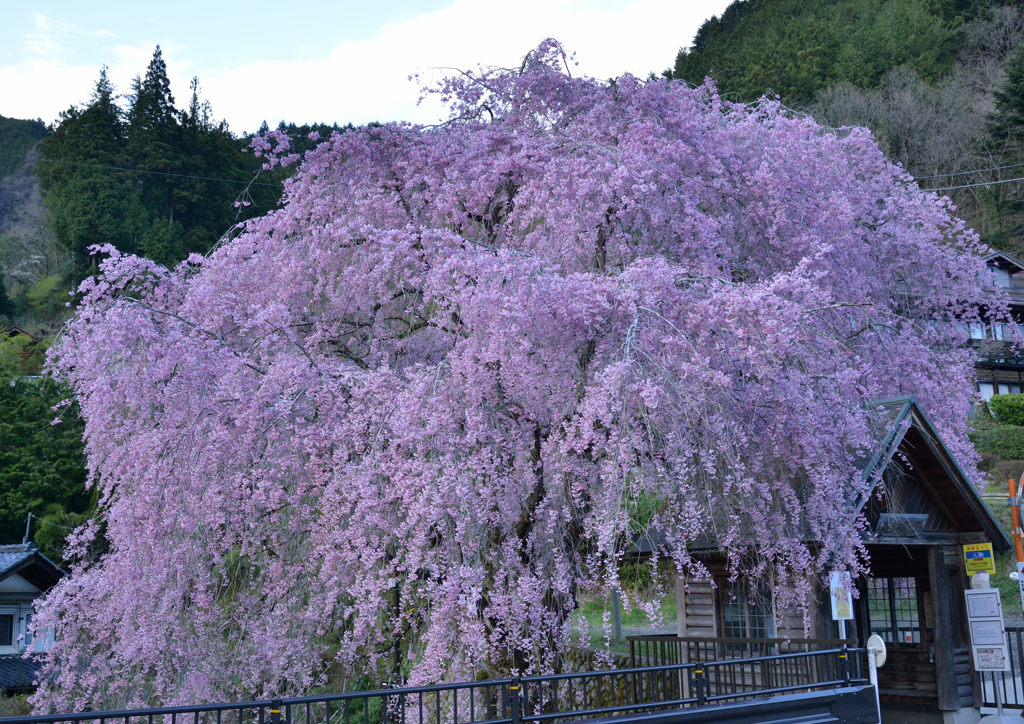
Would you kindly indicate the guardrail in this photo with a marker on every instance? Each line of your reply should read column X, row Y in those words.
column 531, row 699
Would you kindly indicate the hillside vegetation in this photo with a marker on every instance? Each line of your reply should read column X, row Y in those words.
column 937, row 81
column 18, row 138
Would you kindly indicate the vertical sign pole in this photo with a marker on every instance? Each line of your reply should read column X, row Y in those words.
column 1015, row 516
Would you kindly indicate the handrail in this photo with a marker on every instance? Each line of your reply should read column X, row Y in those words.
column 517, row 700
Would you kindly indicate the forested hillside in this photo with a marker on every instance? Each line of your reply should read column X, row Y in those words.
column 18, row 138
column 132, row 170
column 939, row 82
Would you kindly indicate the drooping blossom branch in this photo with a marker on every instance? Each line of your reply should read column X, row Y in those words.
column 399, row 425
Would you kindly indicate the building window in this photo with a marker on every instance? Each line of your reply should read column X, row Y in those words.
column 26, row 640
column 893, row 610
column 7, row 629
column 746, row 610
column 987, row 389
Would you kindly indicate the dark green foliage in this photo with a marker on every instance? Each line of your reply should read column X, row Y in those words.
column 42, row 465
column 154, row 138
column 16, row 138
column 1006, row 441
column 795, row 48
column 1005, row 141
column 1007, row 409
column 151, row 180
column 88, row 202
column 920, row 74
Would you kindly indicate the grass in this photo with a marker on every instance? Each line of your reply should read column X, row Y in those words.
column 634, row 621
column 1006, row 563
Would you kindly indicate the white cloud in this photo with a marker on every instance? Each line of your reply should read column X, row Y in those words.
column 366, row 80
column 40, row 41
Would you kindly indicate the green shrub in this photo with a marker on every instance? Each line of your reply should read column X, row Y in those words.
column 1006, row 441
column 981, row 416
column 1008, row 409
column 15, row 705
column 998, row 470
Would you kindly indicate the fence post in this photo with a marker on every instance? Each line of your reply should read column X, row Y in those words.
column 844, row 664
column 275, row 711
column 700, row 683
column 514, row 700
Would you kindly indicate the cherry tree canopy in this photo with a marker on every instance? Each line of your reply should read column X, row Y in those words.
column 420, row 408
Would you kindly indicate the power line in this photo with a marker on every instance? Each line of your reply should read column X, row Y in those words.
column 966, row 173
column 139, row 170
column 980, row 183
column 123, row 169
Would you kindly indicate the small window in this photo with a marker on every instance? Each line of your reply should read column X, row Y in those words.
column 6, row 629
column 26, row 640
column 746, row 611
column 893, row 610
column 987, row 389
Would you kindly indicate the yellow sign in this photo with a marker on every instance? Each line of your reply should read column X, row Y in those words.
column 978, row 557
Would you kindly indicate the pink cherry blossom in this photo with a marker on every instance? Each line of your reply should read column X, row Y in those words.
column 421, row 407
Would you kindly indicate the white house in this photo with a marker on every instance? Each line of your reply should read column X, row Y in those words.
column 25, row 574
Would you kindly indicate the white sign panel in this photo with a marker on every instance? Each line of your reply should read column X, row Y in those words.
column 840, row 589
column 984, row 603
column 988, row 634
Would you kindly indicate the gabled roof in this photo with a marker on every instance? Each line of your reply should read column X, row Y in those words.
column 26, row 560
column 1003, row 260
column 905, row 424
column 904, row 428
column 17, row 673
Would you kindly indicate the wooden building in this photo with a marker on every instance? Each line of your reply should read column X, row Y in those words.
column 25, row 574
column 923, row 512
column 1000, row 368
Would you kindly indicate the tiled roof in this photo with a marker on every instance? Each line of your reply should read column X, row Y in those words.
column 12, row 555
column 16, row 672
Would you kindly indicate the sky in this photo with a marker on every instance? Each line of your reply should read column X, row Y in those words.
column 319, row 61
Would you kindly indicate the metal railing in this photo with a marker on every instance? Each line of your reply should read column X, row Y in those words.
column 1011, row 690
column 661, row 650
column 533, row 699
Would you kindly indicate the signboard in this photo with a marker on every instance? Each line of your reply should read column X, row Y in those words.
column 983, row 603
column 988, row 635
column 840, row 592
column 978, row 557
column 991, row 658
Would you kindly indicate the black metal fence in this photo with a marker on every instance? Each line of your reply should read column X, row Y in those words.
column 663, row 650
column 535, row 699
column 1008, row 683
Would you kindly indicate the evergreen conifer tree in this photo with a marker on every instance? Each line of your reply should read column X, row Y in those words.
column 90, row 201
column 153, row 145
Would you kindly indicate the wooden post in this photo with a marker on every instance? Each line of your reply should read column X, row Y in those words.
column 942, row 610
column 616, row 615
column 680, row 605
column 684, row 649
